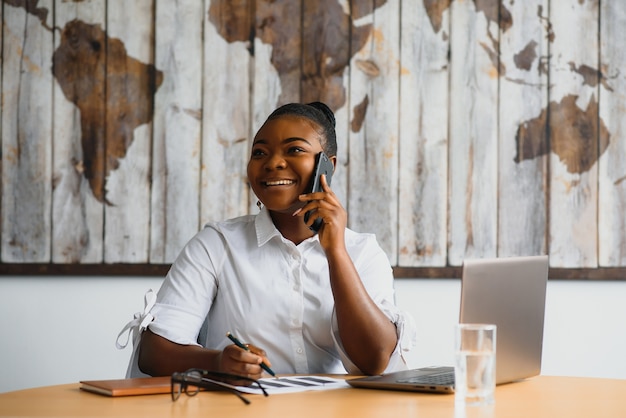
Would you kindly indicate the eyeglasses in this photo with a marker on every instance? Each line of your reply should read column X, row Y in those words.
column 191, row 381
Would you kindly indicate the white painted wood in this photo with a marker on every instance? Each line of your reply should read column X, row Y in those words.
column 266, row 90
column 26, row 142
column 397, row 181
column 225, row 126
column 423, row 150
column 522, row 190
column 175, row 199
column 1, row 141
column 340, row 182
column 321, row 37
column 77, row 216
column 573, row 196
column 612, row 170
column 473, row 135
column 373, row 193
column 127, row 219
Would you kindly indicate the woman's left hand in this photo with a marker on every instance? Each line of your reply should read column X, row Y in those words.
column 327, row 207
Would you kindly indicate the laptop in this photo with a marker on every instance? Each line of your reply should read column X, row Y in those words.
column 509, row 292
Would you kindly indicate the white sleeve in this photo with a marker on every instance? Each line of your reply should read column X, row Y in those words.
column 377, row 277
column 188, row 291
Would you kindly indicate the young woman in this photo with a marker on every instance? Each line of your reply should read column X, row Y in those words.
column 305, row 302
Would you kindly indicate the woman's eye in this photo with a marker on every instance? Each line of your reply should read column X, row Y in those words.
column 257, row 153
column 295, row 150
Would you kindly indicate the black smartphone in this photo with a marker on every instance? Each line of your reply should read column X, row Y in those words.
column 323, row 165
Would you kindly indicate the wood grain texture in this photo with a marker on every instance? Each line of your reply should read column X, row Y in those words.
column 226, row 117
column 26, row 127
column 77, row 214
column 473, row 132
column 522, row 178
column 266, row 86
column 176, row 149
column 130, row 88
column 373, row 195
column 465, row 128
column 611, row 167
column 423, row 149
column 574, row 131
column 326, row 57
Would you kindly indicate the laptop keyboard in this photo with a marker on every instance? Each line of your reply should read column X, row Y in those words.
column 433, row 379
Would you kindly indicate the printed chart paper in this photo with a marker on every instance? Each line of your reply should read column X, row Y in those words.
column 290, row 384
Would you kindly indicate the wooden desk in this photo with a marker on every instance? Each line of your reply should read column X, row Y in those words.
column 542, row 396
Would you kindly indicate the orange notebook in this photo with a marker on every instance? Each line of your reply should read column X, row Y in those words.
column 128, row 387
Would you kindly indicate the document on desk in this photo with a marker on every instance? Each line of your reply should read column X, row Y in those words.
column 290, row 384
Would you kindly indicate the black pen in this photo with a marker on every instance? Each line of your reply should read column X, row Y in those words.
column 240, row 345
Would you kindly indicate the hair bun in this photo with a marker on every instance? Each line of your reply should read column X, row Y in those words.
column 322, row 107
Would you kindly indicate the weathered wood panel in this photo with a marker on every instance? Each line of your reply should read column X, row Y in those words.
column 451, row 144
column 79, row 112
column 176, row 149
column 473, row 131
column 574, row 128
column 612, row 164
column 325, row 77
column 374, row 99
column 26, row 127
column 130, row 85
column 1, row 139
column 422, row 208
column 267, row 89
column 226, row 110
column 523, row 141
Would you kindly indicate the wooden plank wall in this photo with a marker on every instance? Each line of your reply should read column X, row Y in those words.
column 467, row 128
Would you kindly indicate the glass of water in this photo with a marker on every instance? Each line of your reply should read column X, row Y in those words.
column 475, row 368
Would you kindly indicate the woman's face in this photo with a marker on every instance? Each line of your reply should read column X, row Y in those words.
column 282, row 161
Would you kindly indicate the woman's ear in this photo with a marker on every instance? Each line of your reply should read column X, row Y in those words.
column 333, row 159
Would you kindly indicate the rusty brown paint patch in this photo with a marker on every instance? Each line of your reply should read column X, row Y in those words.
column 579, row 137
column 359, row 112
column 368, row 67
column 591, row 76
column 525, row 58
column 315, row 49
column 434, row 10
column 495, row 12
column 233, row 19
column 362, row 8
column 41, row 13
column 547, row 24
column 111, row 106
column 498, row 66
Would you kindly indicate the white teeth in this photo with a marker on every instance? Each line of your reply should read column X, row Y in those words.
column 278, row 182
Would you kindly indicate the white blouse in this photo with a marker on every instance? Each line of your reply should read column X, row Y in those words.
column 241, row 276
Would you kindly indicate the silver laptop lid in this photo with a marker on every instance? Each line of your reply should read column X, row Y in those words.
column 509, row 292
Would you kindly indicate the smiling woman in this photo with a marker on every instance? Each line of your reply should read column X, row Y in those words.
column 283, row 156
column 332, row 291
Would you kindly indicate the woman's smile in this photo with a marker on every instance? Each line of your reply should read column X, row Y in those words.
column 273, row 183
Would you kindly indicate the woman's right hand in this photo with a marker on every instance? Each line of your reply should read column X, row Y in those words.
column 235, row 360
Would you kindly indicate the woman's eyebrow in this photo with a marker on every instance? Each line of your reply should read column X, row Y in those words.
column 285, row 141
column 296, row 139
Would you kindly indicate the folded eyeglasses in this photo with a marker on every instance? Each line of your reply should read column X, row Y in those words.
column 191, row 381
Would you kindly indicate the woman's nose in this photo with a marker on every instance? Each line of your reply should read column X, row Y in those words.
column 276, row 161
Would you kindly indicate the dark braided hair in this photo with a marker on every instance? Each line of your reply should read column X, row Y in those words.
column 322, row 118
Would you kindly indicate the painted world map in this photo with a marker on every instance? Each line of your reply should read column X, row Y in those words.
column 114, row 91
